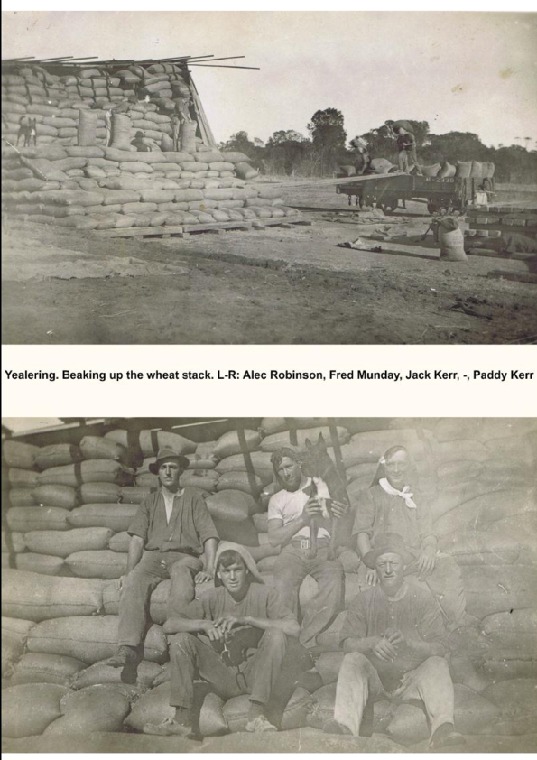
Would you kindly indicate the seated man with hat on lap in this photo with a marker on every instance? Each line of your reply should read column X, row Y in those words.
column 394, row 637
column 170, row 533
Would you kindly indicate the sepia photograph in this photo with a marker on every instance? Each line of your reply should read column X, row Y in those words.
column 276, row 584
column 322, row 171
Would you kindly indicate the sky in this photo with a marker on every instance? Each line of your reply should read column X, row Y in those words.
column 468, row 72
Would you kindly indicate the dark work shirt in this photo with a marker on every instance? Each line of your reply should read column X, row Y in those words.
column 417, row 615
column 189, row 528
column 405, row 142
column 379, row 512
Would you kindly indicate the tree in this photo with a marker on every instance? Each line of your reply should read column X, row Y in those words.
column 285, row 149
column 286, row 135
column 326, row 129
column 328, row 136
column 241, row 143
column 456, row 146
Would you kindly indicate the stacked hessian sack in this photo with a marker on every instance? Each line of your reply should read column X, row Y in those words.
column 82, row 174
column 70, row 506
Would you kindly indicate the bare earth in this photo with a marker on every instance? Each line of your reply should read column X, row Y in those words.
column 278, row 285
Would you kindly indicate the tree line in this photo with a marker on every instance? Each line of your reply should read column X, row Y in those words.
column 319, row 154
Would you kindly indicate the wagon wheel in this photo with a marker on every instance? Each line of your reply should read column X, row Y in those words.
column 389, row 205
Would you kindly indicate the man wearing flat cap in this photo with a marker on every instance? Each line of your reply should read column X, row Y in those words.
column 170, row 534
column 394, row 637
column 240, row 638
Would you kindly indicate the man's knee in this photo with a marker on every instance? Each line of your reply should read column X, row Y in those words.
column 182, row 643
column 286, row 579
column 136, row 581
column 274, row 638
column 332, row 576
column 355, row 663
column 186, row 566
column 436, row 666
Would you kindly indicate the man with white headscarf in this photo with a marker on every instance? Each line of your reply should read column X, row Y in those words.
column 394, row 504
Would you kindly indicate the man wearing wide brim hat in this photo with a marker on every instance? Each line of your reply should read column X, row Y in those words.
column 240, row 637
column 172, row 536
column 395, row 638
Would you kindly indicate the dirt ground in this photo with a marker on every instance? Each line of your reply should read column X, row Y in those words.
column 302, row 740
column 291, row 285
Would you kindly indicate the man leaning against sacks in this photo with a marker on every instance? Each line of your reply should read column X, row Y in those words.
column 172, row 536
column 240, row 638
column 394, row 637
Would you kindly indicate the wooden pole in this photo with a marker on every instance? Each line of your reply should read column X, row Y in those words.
column 218, row 66
column 335, row 180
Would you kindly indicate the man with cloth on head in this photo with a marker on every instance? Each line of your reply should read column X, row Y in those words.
column 394, row 637
column 170, row 533
column 239, row 637
column 290, row 511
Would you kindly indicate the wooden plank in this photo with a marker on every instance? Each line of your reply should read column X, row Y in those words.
column 137, row 231
column 188, row 229
column 203, row 122
column 216, row 226
column 285, row 220
column 503, row 228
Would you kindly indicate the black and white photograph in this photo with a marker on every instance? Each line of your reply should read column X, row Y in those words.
column 305, row 178
column 276, row 584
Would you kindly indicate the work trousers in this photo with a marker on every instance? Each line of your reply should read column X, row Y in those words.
column 290, row 569
column 358, row 682
column 404, row 161
column 445, row 583
column 153, row 568
column 192, row 659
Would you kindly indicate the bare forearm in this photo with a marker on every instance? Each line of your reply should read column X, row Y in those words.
column 184, row 625
column 289, row 627
column 209, row 548
column 136, row 550
column 364, row 645
column 430, row 541
column 363, row 544
column 282, row 535
column 425, row 649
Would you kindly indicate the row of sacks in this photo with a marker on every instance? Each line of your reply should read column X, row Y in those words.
column 507, row 619
column 53, row 163
column 508, row 622
column 72, row 652
column 27, row 86
column 51, row 709
column 460, row 170
column 461, row 470
column 109, row 706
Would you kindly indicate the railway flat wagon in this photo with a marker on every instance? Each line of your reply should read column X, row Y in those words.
column 391, row 190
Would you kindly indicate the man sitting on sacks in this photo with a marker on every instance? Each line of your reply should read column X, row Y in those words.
column 240, row 637
column 290, row 512
column 394, row 637
column 170, row 532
